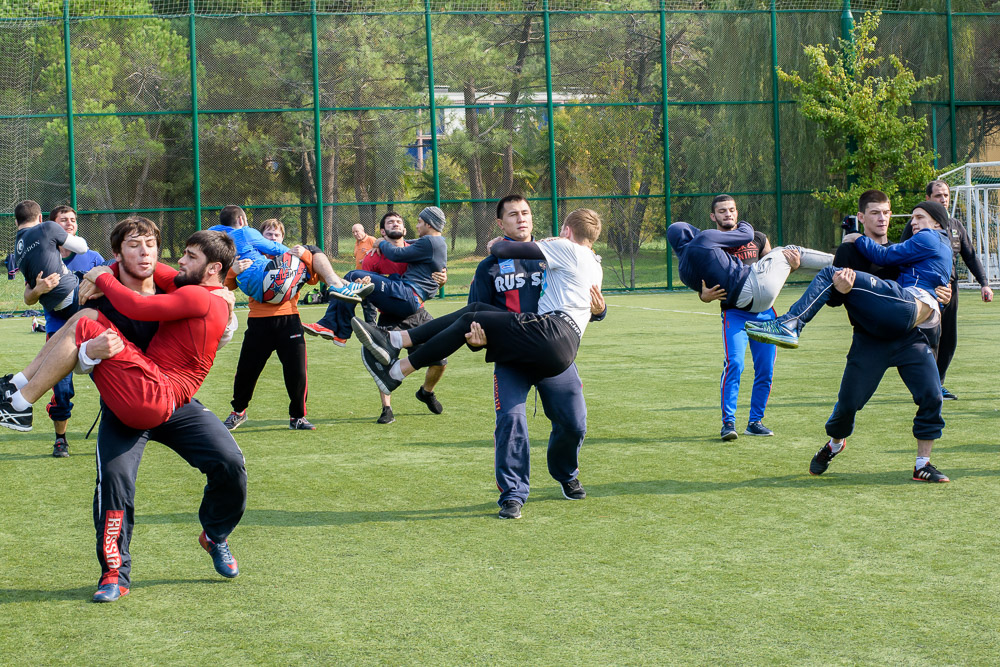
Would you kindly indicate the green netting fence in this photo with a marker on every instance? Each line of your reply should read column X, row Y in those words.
column 326, row 114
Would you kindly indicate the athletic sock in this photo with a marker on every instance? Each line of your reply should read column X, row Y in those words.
column 18, row 403
column 395, row 372
column 19, row 381
column 922, row 461
column 396, row 338
column 834, row 447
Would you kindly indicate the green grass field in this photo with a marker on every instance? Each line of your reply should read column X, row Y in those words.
column 369, row 544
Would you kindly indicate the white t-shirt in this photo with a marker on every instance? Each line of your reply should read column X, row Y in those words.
column 570, row 271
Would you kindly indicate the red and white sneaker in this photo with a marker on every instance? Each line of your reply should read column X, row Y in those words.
column 319, row 330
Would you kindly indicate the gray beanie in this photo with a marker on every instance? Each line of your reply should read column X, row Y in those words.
column 434, row 217
column 936, row 211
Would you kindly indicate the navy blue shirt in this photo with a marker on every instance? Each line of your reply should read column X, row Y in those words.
column 925, row 260
column 424, row 256
column 37, row 250
column 705, row 258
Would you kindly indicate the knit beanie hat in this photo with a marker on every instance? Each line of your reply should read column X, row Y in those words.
column 434, row 217
column 936, row 211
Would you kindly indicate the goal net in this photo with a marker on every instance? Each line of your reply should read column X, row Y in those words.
column 975, row 200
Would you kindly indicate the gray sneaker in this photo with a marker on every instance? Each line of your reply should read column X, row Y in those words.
column 510, row 509
column 235, row 419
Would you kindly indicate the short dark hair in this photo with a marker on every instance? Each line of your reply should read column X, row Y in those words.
column 871, row 197
column 933, row 184
column 230, row 214
column 217, row 246
column 63, row 208
column 512, row 197
column 133, row 225
column 27, row 211
column 390, row 214
column 718, row 199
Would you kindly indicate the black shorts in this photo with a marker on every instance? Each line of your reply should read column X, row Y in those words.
column 541, row 345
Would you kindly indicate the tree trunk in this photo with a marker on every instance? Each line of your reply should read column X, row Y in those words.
column 477, row 190
column 507, row 122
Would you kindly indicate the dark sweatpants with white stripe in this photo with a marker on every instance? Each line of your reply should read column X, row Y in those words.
column 195, row 433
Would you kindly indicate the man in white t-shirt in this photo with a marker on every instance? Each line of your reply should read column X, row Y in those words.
column 542, row 344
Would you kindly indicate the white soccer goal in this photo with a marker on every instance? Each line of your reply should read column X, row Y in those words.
column 975, row 200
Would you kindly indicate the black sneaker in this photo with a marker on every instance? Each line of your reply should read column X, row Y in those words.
column 376, row 341
column 728, row 431
column 947, row 395
column 300, row 424
column 428, row 397
column 573, row 490
column 386, row 417
column 6, row 385
column 223, row 560
column 379, row 372
column 109, row 593
column 60, row 450
column 821, row 461
column 929, row 474
column 16, row 420
column 510, row 509
column 235, row 419
column 757, row 428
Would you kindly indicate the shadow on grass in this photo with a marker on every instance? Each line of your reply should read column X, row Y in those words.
column 275, row 517
column 830, row 479
column 84, row 593
column 970, row 448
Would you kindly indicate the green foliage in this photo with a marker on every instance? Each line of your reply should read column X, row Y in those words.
column 854, row 105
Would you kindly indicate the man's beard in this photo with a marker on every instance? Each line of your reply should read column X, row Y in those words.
column 728, row 224
column 394, row 234
column 128, row 270
column 182, row 279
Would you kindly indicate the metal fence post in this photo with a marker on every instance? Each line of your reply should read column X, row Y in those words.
column 666, row 136
column 554, row 195
column 777, row 122
column 951, row 88
column 195, row 152
column 320, row 234
column 70, row 138
column 433, row 112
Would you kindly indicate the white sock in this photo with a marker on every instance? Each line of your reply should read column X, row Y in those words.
column 922, row 461
column 395, row 372
column 19, row 381
column 18, row 403
column 396, row 339
column 836, row 447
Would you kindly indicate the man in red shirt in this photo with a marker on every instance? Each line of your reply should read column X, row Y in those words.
column 143, row 389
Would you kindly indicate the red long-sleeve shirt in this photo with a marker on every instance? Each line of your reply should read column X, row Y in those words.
column 191, row 323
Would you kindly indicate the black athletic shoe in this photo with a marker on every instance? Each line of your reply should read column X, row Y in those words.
column 375, row 340
column 728, row 431
column 929, row 474
column 16, row 420
column 511, row 509
column 6, row 385
column 757, row 428
column 947, row 395
column 60, row 450
column 379, row 373
column 234, row 420
column 223, row 560
column 109, row 593
column 386, row 417
column 300, row 424
column 573, row 490
column 428, row 397
column 821, row 461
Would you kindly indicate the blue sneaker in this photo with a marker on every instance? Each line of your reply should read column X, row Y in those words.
column 224, row 562
column 947, row 395
column 109, row 593
column 773, row 332
column 757, row 428
column 353, row 292
column 728, row 431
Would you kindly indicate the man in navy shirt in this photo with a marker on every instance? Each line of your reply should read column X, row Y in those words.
column 734, row 337
column 41, row 253
column 893, row 326
column 516, row 284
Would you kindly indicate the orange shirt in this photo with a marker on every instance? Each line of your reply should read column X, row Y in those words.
column 361, row 249
column 290, row 307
